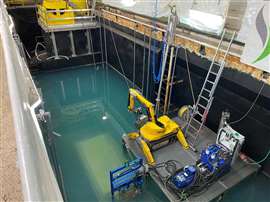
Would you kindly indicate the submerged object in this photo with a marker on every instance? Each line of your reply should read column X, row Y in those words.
column 154, row 132
column 131, row 173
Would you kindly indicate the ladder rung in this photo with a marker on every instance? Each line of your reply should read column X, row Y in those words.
column 161, row 93
column 211, row 82
column 198, row 113
column 162, row 101
column 195, row 120
column 209, row 91
column 190, row 135
column 204, row 98
column 195, row 124
column 193, row 127
column 165, row 79
column 194, row 136
column 204, row 107
column 177, row 82
column 192, row 132
column 214, row 73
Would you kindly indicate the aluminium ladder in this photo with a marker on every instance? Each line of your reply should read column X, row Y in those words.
column 206, row 97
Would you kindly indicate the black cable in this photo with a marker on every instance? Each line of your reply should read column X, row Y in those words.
column 200, row 184
column 251, row 107
column 170, row 166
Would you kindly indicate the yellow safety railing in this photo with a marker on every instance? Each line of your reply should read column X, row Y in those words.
column 63, row 16
column 61, row 12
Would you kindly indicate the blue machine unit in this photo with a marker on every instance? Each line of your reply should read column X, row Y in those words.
column 130, row 173
column 211, row 157
column 185, row 177
column 214, row 161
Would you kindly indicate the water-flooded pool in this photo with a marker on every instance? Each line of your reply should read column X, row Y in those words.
column 88, row 106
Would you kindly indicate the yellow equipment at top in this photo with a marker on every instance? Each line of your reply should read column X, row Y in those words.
column 156, row 131
column 60, row 12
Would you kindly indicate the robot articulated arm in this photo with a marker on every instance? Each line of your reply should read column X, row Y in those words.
column 134, row 94
column 155, row 131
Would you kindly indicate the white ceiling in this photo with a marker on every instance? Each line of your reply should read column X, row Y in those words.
column 234, row 14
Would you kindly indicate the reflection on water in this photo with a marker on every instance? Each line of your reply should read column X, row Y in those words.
column 89, row 110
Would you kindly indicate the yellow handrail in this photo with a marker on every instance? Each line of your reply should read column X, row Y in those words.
column 63, row 16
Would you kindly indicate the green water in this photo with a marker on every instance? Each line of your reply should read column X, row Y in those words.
column 89, row 111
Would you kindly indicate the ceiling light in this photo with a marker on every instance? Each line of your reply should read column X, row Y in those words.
column 128, row 3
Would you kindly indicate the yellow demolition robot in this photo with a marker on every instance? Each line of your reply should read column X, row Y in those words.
column 154, row 133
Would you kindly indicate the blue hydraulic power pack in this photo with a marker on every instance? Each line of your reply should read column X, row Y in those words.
column 214, row 160
column 214, row 157
column 185, row 177
column 124, row 176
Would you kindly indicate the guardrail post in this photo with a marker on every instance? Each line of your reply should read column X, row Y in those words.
column 54, row 46
column 72, row 44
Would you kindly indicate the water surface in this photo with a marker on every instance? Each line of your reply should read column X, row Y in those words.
column 89, row 110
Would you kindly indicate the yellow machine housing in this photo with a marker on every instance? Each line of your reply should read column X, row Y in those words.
column 58, row 17
column 156, row 132
column 152, row 132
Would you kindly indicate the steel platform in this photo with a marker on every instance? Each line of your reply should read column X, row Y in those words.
column 78, row 25
column 239, row 171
